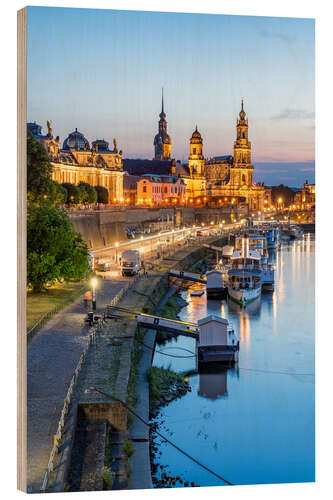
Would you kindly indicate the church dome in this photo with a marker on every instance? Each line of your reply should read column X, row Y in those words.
column 76, row 141
column 196, row 137
column 101, row 145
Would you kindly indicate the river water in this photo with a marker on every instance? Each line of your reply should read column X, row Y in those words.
column 254, row 423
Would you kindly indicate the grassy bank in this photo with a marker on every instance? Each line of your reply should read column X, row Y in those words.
column 160, row 381
column 40, row 303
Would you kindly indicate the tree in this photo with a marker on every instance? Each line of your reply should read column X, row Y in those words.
column 88, row 194
column 40, row 187
column 73, row 193
column 102, row 195
column 54, row 250
column 39, row 170
column 56, row 194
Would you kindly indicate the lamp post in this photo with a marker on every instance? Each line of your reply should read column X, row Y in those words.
column 93, row 289
column 117, row 245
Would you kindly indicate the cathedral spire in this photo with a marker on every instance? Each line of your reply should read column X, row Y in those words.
column 242, row 113
column 162, row 113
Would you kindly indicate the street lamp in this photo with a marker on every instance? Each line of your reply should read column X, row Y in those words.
column 116, row 245
column 93, row 288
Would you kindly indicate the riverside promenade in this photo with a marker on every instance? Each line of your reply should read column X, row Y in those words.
column 52, row 355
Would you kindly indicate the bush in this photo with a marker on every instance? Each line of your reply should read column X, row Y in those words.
column 73, row 193
column 88, row 194
column 128, row 448
column 108, row 477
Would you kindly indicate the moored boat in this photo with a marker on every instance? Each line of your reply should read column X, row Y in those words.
column 244, row 277
column 217, row 342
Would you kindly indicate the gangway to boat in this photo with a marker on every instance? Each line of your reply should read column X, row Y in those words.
column 213, row 247
column 197, row 278
column 158, row 323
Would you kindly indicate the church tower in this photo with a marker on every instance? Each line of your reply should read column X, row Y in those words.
column 162, row 141
column 241, row 172
column 196, row 161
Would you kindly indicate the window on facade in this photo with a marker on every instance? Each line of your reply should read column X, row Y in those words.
column 194, row 151
column 243, row 179
column 144, row 189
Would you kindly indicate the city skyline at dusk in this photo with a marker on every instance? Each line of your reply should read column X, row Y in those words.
column 85, row 70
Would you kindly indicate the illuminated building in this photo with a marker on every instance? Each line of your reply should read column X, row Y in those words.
column 162, row 141
column 193, row 174
column 76, row 161
column 160, row 189
column 238, row 186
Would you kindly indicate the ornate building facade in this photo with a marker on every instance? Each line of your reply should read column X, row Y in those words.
column 239, row 186
column 194, row 173
column 76, row 161
column 162, row 141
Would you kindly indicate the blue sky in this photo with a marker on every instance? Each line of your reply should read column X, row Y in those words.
column 102, row 72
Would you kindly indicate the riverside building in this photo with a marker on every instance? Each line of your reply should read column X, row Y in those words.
column 77, row 161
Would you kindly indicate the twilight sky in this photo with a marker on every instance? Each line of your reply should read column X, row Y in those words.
column 102, row 72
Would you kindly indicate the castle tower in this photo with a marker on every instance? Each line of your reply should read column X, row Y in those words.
column 241, row 172
column 162, row 141
column 196, row 161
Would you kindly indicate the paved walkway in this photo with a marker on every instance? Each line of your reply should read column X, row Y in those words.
column 52, row 356
column 141, row 475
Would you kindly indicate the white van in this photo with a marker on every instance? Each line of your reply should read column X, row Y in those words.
column 130, row 263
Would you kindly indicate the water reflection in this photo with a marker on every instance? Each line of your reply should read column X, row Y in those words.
column 213, row 382
column 256, row 426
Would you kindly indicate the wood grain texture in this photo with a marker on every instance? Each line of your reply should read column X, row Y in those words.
column 21, row 251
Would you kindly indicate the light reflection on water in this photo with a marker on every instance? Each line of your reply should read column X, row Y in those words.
column 252, row 426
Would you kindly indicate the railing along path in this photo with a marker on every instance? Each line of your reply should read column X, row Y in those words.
column 67, row 401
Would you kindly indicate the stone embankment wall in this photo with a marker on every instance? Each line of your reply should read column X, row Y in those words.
column 105, row 227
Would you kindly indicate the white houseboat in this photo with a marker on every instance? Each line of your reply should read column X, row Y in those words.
column 217, row 342
column 216, row 285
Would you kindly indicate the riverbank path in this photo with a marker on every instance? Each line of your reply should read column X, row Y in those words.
column 52, row 355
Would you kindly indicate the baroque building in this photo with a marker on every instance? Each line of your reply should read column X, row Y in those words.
column 237, row 186
column 193, row 173
column 76, row 161
column 162, row 141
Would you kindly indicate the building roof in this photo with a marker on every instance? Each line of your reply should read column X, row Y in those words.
column 102, row 146
column 196, row 137
column 221, row 159
column 162, row 178
column 75, row 140
column 36, row 130
column 141, row 167
column 212, row 317
column 129, row 181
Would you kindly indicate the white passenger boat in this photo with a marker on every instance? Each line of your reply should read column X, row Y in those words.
column 257, row 241
column 244, row 277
